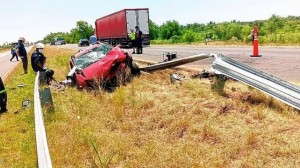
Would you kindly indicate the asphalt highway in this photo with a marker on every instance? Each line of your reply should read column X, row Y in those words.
column 281, row 62
column 5, row 65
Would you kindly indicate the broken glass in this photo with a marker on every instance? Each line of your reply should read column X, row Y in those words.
column 92, row 56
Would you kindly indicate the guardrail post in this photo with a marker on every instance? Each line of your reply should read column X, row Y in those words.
column 45, row 93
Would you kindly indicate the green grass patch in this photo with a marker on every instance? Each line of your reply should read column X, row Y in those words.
column 17, row 145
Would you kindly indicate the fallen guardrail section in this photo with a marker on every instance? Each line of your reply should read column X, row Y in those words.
column 43, row 155
column 275, row 87
column 176, row 62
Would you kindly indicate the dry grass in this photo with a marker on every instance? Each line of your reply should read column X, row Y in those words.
column 152, row 123
column 4, row 49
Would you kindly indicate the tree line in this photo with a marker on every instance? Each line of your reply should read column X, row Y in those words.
column 82, row 30
column 275, row 30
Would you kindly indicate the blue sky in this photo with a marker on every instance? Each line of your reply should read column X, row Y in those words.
column 34, row 19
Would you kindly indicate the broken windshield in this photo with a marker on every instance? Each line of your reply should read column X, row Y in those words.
column 92, row 56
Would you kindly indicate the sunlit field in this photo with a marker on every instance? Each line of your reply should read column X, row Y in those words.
column 150, row 123
column 2, row 49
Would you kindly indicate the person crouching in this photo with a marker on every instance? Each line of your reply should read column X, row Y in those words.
column 38, row 61
column 38, row 58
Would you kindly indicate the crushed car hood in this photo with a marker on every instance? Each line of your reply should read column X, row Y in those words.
column 91, row 55
column 102, row 68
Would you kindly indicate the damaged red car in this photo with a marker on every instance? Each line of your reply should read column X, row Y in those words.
column 101, row 66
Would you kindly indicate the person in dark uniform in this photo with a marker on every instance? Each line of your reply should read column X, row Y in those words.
column 13, row 52
column 139, row 45
column 3, row 97
column 38, row 61
column 22, row 53
column 38, row 58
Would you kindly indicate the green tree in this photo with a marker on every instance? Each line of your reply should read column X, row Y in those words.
column 234, row 31
column 169, row 29
column 274, row 23
column 82, row 30
column 175, row 39
column 196, row 27
column 154, row 30
column 50, row 37
column 245, row 33
column 189, row 36
column 274, row 30
column 219, row 32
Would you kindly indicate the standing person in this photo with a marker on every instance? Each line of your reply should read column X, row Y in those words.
column 22, row 53
column 138, row 35
column 13, row 53
column 93, row 39
column 3, row 97
column 133, row 42
column 38, row 58
column 254, row 33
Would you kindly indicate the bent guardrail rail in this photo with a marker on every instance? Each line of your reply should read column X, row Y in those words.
column 43, row 155
column 176, row 62
column 275, row 87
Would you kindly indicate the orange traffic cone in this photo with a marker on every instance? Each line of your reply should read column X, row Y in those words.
column 255, row 48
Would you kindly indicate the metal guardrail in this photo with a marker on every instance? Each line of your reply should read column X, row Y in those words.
column 176, row 62
column 275, row 87
column 43, row 155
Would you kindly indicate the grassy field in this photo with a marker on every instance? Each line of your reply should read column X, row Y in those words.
column 3, row 49
column 151, row 123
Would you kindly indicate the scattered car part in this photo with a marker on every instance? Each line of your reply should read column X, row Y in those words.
column 169, row 56
column 21, row 85
column 67, row 82
column 203, row 74
column 175, row 78
column 25, row 103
